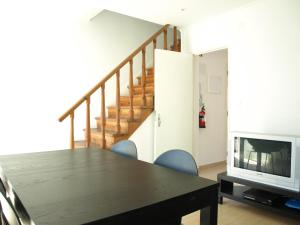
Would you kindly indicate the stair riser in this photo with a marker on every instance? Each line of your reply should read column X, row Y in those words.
column 112, row 126
column 97, row 140
column 150, row 71
column 148, row 90
column 149, row 80
column 147, row 85
column 80, row 144
column 126, row 127
column 124, row 113
column 125, row 101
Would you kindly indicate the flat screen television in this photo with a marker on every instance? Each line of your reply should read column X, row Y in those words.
column 270, row 159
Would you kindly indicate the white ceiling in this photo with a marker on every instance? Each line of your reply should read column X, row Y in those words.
column 175, row 12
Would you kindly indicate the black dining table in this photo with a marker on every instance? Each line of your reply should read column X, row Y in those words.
column 94, row 186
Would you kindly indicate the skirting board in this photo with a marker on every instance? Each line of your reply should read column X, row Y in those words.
column 211, row 165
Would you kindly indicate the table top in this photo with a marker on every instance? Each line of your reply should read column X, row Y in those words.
column 82, row 186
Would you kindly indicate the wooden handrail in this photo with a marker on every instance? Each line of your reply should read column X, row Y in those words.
column 113, row 72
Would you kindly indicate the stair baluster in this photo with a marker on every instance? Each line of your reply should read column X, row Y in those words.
column 88, row 124
column 175, row 39
column 131, row 89
column 72, row 145
column 154, row 47
column 118, row 101
column 143, row 76
column 165, row 39
column 103, row 118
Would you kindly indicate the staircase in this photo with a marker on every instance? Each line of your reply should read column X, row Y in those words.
column 129, row 112
column 127, row 125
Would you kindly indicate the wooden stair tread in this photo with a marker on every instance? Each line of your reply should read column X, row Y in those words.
column 146, row 85
column 111, row 119
column 122, row 120
column 150, row 70
column 128, row 107
column 138, row 95
column 149, row 76
column 138, row 89
column 82, row 144
column 107, row 132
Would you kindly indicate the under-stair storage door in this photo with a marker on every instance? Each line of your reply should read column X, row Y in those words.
column 173, row 101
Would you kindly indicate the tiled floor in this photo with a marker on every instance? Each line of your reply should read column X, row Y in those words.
column 234, row 213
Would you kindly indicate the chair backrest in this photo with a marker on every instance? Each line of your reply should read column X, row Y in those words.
column 126, row 148
column 178, row 160
column 8, row 214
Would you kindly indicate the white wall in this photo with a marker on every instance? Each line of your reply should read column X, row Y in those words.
column 143, row 137
column 263, row 46
column 50, row 57
column 210, row 89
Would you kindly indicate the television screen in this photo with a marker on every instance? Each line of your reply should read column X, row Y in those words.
column 267, row 156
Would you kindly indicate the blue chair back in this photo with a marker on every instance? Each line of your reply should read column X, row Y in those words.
column 178, row 160
column 125, row 148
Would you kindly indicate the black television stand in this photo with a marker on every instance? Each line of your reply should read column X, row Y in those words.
column 233, row 188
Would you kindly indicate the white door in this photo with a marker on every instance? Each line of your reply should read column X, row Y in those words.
column 173, row 101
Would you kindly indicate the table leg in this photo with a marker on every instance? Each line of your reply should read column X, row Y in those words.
column 220, row 200
column 209, row 214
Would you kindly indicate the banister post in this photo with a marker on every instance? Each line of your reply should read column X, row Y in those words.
column 154, row 47
column 118, row 101
column 131, row 89
column 103, row 118
column 72, row 146
column 88, row 124
column 175, row 39
column 166, row 39
column 144, row 76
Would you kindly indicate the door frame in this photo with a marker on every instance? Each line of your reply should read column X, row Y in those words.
column 227, row 98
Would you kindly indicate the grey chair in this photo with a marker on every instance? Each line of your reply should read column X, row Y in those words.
column 125, row 148
column 180, row 161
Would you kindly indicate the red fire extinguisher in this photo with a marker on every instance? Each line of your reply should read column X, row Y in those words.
column 202, row 118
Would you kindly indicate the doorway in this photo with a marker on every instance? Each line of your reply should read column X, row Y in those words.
column 210, row 90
